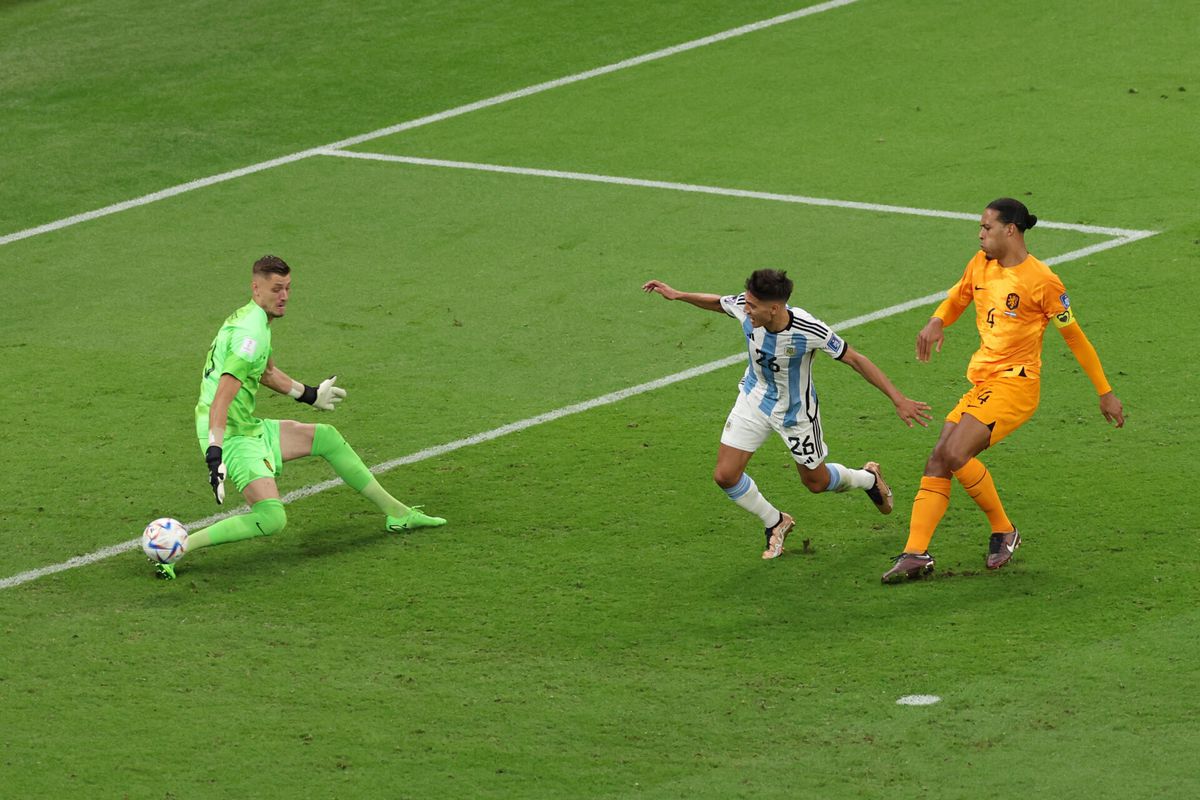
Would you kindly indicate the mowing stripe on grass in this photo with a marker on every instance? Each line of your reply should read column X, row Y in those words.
column 426, row 120
column 487, row 436
column 1122, row 233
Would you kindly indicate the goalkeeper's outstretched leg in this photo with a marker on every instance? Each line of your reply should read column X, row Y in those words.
column 325, row 441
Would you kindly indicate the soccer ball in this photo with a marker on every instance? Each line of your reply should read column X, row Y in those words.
column 164, row 541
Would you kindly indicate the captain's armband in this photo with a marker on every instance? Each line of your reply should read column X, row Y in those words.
column 1064, row 319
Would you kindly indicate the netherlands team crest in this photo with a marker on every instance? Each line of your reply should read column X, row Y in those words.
column 1012, row 301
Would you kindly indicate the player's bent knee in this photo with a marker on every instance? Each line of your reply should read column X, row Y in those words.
column 952, row 459
column 957, row 461
column 328, row 430
column 269, row 516
column 815, row 480
column 726, row 480
column 326, row 439
column 937, row 464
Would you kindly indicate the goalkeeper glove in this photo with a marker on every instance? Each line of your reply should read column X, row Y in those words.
column 323, row 397
column 216, row 471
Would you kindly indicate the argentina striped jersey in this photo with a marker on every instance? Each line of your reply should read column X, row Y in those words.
column 778, row 379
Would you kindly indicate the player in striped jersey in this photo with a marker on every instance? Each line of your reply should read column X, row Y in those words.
column 777, row 395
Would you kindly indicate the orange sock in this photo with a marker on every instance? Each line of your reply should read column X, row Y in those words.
column 933, row 498
column 976, row 479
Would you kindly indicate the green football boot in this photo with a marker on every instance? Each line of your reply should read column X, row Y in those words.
column 164, row 571
column 413, row 519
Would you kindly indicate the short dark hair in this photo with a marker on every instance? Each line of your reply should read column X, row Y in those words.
column 271, row 265
column 1014, row 211
column 770, row 284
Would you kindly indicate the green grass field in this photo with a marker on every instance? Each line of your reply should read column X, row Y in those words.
column 595, row 621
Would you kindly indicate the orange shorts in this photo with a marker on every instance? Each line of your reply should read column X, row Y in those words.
column 1003, row 403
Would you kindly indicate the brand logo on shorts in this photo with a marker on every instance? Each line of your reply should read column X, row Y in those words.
column 1012, row 301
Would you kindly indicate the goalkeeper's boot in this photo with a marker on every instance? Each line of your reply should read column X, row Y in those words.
column 776, row 535
column 909, row 565
column 164, row 571
column 1001, row 548
column 415, row 518
column 880, row 493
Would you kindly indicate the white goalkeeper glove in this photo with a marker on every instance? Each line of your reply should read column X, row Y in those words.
column 329, row 395
column 323, row 397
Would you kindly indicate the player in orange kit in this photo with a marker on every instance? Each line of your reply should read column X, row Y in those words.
column 1015, row 296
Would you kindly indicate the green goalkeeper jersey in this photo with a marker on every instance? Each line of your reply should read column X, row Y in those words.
column 241, row 348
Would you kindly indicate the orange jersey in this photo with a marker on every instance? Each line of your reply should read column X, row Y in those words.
column 1012, row 307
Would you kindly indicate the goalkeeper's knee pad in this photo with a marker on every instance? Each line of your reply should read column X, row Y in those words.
column 269, row 516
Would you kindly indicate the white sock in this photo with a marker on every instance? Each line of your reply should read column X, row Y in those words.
column 843, row 478
column 747, row 495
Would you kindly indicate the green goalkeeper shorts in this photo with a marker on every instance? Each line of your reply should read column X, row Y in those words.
column 248, row 458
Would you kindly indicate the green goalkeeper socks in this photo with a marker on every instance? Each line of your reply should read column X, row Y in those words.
column 267, row 517
column 384, row 501
column 329, row 445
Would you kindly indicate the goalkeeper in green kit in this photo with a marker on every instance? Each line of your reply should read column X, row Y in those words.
column 251, row 451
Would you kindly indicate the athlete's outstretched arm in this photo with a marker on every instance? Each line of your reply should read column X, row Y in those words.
column 323, row 397
column 709, row 302
column 1085, row 354
column 908, row 410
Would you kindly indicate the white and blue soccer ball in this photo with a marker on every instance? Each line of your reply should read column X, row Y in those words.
column 164, row 541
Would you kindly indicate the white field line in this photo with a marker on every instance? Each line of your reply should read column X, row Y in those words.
column 416, row 123
column 503, row 430
column 1123, row 233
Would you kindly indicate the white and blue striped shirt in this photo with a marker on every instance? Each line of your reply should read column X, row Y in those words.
column 778, row 379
